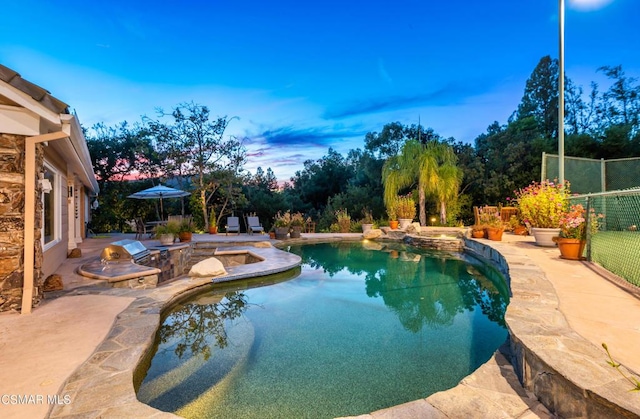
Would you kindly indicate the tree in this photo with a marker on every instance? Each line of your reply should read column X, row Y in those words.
column 120, row 154
column 512, row 156
column 121, row 151
column 388, row 142
column 431, row 167
column 621, row 103
column 194, row 147
column 263, row 197
column 540, row 99
column 322, row 178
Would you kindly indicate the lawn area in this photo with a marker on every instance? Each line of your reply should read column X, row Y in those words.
column 617, row 251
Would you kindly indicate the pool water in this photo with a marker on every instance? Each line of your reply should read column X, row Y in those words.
column 361, row 328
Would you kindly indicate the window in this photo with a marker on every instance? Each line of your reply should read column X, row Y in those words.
column 50, row 207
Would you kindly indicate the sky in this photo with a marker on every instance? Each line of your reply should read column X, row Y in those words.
column 305, row 76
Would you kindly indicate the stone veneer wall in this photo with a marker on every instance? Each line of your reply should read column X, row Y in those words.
column 12, row 223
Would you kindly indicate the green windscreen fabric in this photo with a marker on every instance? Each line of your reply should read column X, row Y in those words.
column 585, row 175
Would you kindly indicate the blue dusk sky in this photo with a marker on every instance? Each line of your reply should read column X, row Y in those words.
column 303, row 76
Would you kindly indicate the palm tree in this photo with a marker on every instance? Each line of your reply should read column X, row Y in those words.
column 431, row 166
column 449, row 178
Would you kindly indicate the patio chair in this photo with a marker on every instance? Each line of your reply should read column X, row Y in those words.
column 141, row 229
column 233, row 225
column 253, row 225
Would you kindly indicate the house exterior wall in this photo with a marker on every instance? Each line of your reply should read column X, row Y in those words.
column 55, row 255
column 12, row 223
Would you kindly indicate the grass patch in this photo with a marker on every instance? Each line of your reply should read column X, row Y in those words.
column 617, row 252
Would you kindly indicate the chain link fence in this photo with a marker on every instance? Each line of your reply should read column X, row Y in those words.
column 593, row 176
column 616, row 244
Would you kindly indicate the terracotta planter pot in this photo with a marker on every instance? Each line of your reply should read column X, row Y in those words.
column 571, row 249
column 520, row 231
column 393, row 224
column 185, row 236
column 213, row 230
column 477, row 234
column 495, row 233
column 272, row 235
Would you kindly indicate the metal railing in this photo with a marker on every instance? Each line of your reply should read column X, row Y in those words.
column 616, row 244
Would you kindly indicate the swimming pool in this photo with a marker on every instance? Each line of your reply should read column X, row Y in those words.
column 359, row 328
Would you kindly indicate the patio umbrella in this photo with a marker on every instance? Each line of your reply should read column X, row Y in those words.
column 161, row 192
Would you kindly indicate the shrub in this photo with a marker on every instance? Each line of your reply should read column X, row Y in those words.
column 344, row 220
column 406, row 207
column 542, row 204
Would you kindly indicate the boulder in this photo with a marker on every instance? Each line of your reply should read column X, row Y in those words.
column 396, row 234
column 75, row 253
column 372, row 245
column 52, row 283
column 262, row 244
column 207, row 268
column 374, row 233
column 413, row 228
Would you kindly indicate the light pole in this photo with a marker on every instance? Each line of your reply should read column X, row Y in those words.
column 561, row 95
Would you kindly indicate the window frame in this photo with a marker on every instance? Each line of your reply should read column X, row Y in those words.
column 56, row 236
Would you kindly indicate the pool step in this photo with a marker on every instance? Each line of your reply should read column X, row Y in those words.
column 186, row 379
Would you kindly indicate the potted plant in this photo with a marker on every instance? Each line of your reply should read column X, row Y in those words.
column 213, row 222
column 541, row 205
column 167, row 233
column 516, row 226
column 478, row 231
column 297, row 223
column 406, row 210
column 493, row 223
column 282, row 224
column 367, row 220
column 392, row 213
column 344, row 220
column 573, row 231
column 185, row 231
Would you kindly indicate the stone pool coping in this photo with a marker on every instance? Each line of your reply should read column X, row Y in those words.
column 548, row 353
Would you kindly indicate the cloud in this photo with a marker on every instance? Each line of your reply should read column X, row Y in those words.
column 383, row 72
column 285, row 148
column 315, row 136
column 448, row 95
column 588, row 5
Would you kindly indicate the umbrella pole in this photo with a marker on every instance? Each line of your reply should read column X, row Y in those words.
column 161, row 210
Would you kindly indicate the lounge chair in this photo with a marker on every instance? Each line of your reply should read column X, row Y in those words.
column 254, row 226
column 233, row 225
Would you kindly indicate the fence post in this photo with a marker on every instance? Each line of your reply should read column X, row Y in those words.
column 588, row 227
column 603, row 175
